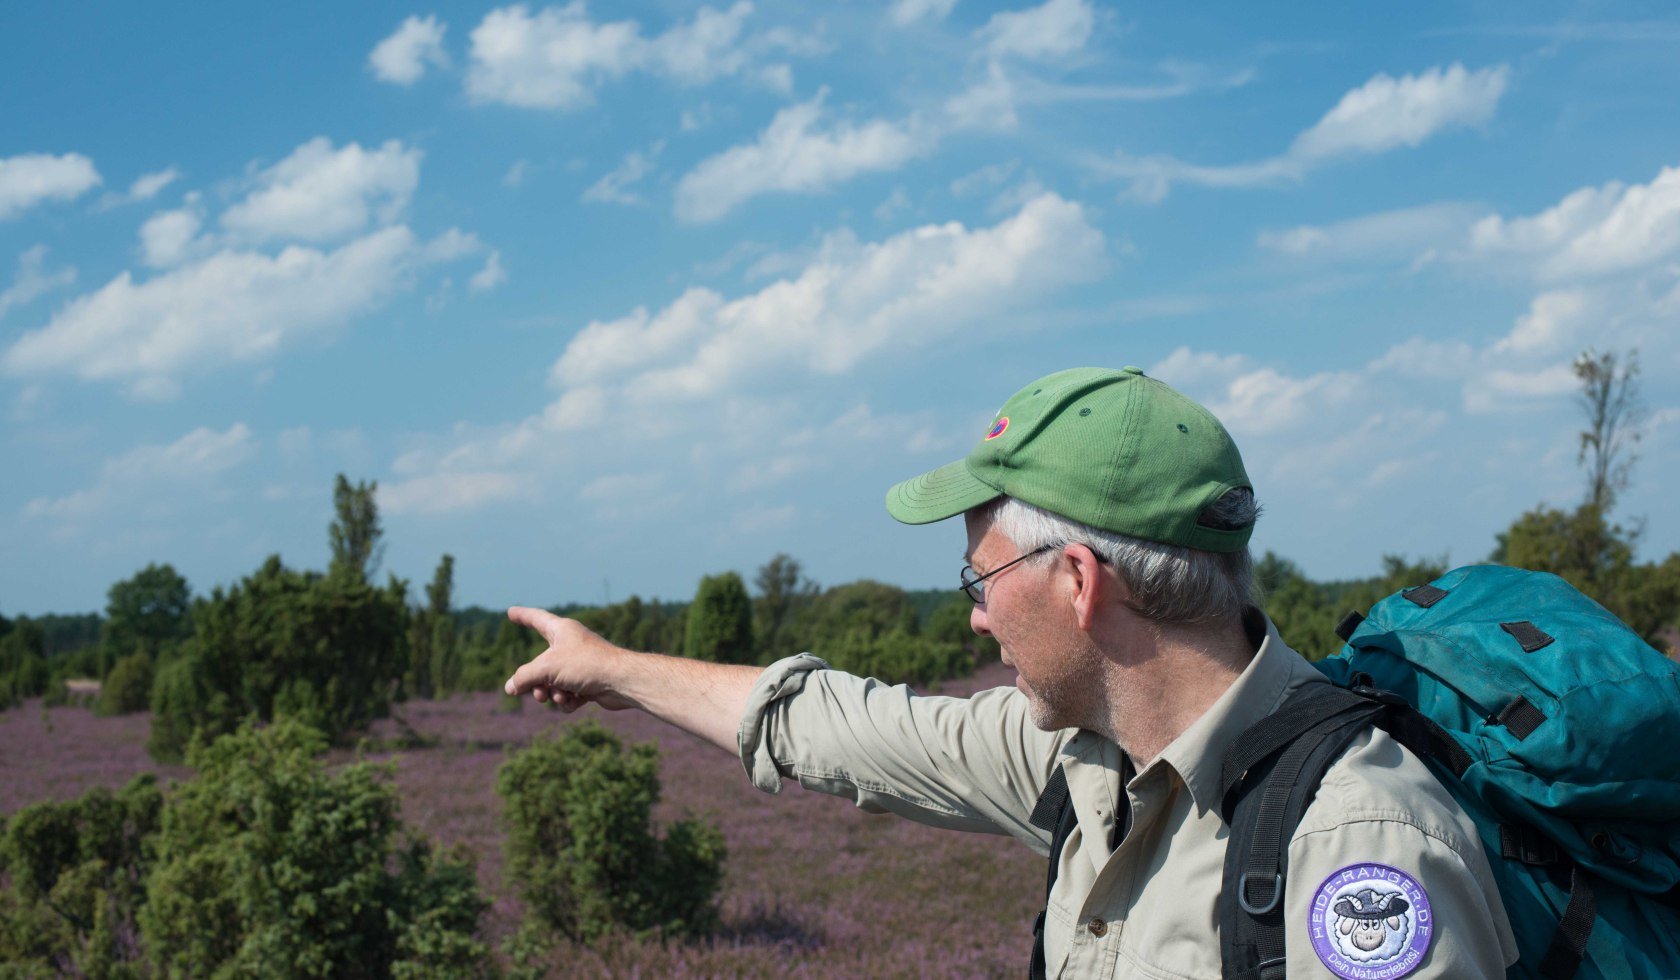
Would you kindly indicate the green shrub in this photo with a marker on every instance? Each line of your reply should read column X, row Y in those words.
column 580, row 848
column 128, row 688
column 268, row 865
column 76, row 876
column 327, row 651
column 720, row 621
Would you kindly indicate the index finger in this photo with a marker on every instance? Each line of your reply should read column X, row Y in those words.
column 540, row 620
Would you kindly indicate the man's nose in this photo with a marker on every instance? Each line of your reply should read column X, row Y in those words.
column 977, row 620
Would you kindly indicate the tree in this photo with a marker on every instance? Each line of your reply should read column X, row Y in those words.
column 1609, row 397
column 355, row 532
column 326, row 650
column 434, row 661
column 720, row 621
column 781, row 591
column 146, row 613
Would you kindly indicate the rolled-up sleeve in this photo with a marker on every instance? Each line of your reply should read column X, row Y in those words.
column 975, row 764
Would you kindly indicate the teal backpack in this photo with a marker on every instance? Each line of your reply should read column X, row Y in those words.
column 1551, row 722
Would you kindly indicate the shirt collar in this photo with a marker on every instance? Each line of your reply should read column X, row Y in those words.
column 1198, row 753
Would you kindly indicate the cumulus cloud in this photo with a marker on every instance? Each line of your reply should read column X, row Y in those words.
column 795, row 154
column 1383, row 114
column 912, row 288
column 1594, row 231
column 319, row 194
column 402, row 58
column 1386, row 112
column 33, row 178
column 148, row 186
column 168, row 237
column 33, row 279
column 201, row 453
column 638, row 380
column 489, row 277
column 1053, row 30
column 614, row 186
column 143, row 188
column 233, row 307
column 438, row 493
column 906, row 12
column 558, row 57
column 1405, row 232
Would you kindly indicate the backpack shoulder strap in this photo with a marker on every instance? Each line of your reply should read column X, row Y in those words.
column 1054, row 812
column 1269, row 779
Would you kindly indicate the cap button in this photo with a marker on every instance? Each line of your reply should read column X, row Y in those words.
column 1131, row 369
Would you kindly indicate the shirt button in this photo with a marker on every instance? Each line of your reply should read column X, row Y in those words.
column 1098, row 928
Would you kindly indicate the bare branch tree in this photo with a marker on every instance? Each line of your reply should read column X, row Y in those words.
column 1610, row 398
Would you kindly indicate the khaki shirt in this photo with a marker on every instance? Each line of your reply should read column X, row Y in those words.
column 1148, row 908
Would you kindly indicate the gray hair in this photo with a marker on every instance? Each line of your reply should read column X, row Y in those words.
column 1170, row 584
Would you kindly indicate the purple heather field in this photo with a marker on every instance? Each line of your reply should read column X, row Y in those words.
column 814, row 887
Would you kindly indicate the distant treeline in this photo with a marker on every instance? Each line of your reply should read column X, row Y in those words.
column 335, row 650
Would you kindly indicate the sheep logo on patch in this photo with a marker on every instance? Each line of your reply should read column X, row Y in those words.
column 1371, row 922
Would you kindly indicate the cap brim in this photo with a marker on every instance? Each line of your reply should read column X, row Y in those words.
column 938, row 494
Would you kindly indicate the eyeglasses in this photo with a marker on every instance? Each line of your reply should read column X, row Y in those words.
column 974, row 586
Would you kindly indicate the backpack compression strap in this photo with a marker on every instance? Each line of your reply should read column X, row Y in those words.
column 1267, row 783
column 1054, row 813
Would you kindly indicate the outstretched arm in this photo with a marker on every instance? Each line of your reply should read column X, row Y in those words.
column 579, row 666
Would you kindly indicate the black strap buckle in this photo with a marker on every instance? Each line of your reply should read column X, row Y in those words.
column 1271, row 903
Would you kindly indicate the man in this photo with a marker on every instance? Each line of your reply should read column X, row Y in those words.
column 1108, row 523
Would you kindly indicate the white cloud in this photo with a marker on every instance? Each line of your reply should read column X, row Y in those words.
column 895, row 203
column 33, row 279
column 793, row 155
column 168, row 238
column 231, row 307
column 516, row 174
column 1502, row 388
column 987, row 104
column 32, row 178
column 906, row 12
column 148, row 186
column 613, row 186
column 557, row 58
column 402, row 58
column 852, row 301
column 1593, row 231
column 704, row 49
column 548, row 61
column 1403, row 232
column 1386, row 112
column 1383, row 114
column 1053, row 30
column 438, row 493
column 1185, row 367
column 144, row 188
column 984, row 180
column 722, row 380
column 1550, row 326
column 199, row 454
column 489, row 277
column 319, row 194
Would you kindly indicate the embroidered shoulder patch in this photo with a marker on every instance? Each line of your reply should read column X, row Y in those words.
column 1371, row 922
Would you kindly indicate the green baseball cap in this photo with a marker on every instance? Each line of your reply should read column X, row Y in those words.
column 1116, row 450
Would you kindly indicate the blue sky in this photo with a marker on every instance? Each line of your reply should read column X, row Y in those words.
column 609, row 297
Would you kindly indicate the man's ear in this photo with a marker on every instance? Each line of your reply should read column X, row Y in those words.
column 1091, row 588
